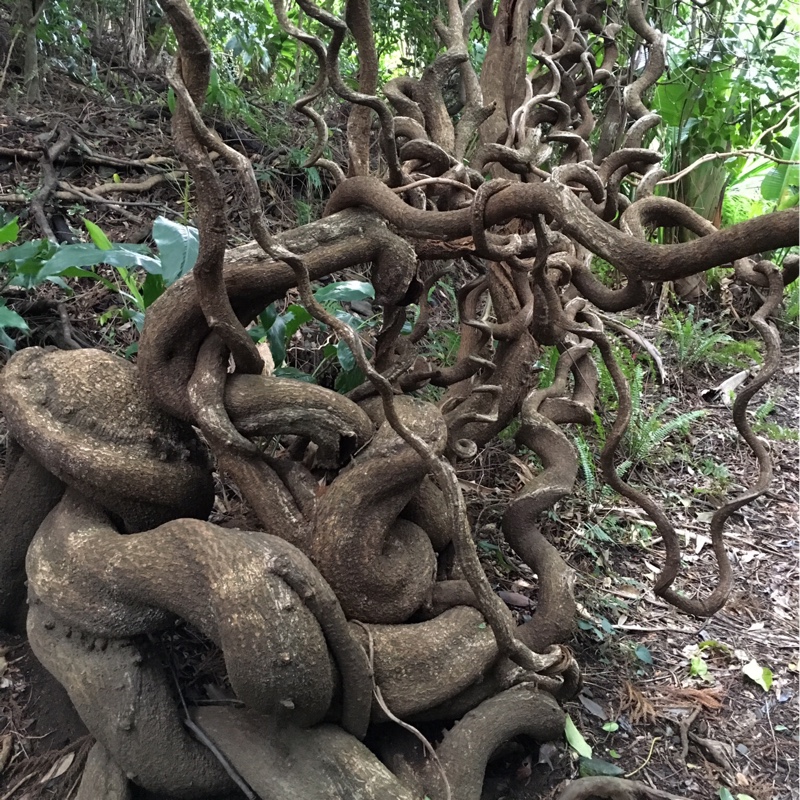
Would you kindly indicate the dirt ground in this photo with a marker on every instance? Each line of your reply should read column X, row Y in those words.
column 666, row 697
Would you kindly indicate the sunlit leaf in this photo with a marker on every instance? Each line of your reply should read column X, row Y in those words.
column 9, row 231
column 177, row 246
column 345, row 291
column 758, row 674
column 97, row 235
column 575, row 739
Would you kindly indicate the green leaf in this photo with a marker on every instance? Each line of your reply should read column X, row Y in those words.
column 294, row 374
column 758, row 674
column 611, row 727
column 643, row 654
column 724, row 793
column 347, row 291
column 178, row 246
column 97, row 235
column 10, row 319
column 614, row 754
column 268, row 316
column 88, row 255
column 698, row 668
column 591, row 767
column 9, row 231
column 346, row 381
column 152, row 288
column 345, row 355
column 277, row 340
column 293, row 318
column 26, row 250
column 576, row 740
column 349, row 319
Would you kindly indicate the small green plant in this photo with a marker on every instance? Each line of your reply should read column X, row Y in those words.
column 772, row 430
column 586, row 462
column 278, row 330
column 697, row 342
column 648, row 429
column 35, row 262
column 791, row 303
column 719, row 475
column 698, row 668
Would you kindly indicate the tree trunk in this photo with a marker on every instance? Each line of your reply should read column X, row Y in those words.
column 30, row 11
column 135, row 27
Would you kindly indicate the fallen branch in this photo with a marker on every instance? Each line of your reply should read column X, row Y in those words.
column 49, row 181
column 113, row 161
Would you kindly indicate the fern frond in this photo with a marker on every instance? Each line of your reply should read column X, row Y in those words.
column 586, row 461
column 680, row 423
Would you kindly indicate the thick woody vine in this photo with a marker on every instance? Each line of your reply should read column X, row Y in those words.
column 343, row 612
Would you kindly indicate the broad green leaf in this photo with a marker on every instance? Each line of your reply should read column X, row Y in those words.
column 152, row 288
column 575, row 739
column 88, row 255
column 10, row 319
column 277, row 340
column 349, row 319
column 724, row 793
column 293, row 318
column 26, row 250
column 97, row 235
column 670, row 100
column 758, row 674
column 177, row 246
column 346, row 381
column 268, row 316
column 591, row 767
column 347, row 291
column 295, row 374
column 345, row 355
column 643, row 654
column 9, row 231
column 125, row 256
column 611, row 727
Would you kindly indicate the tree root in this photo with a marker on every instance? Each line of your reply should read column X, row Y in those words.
column 613, row 789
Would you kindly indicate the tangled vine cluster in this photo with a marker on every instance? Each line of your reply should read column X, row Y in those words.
column 361, row 602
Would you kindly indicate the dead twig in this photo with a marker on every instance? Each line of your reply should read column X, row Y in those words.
column 686, row 723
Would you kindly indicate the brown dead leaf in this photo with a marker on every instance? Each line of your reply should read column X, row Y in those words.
column 710, row 698
column 636, row 705
column 5, row 751
column 515, row 599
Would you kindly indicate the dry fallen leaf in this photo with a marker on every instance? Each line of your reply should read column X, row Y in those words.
column 59, row 768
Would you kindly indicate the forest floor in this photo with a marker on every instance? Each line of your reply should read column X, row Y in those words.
column 666, row 697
